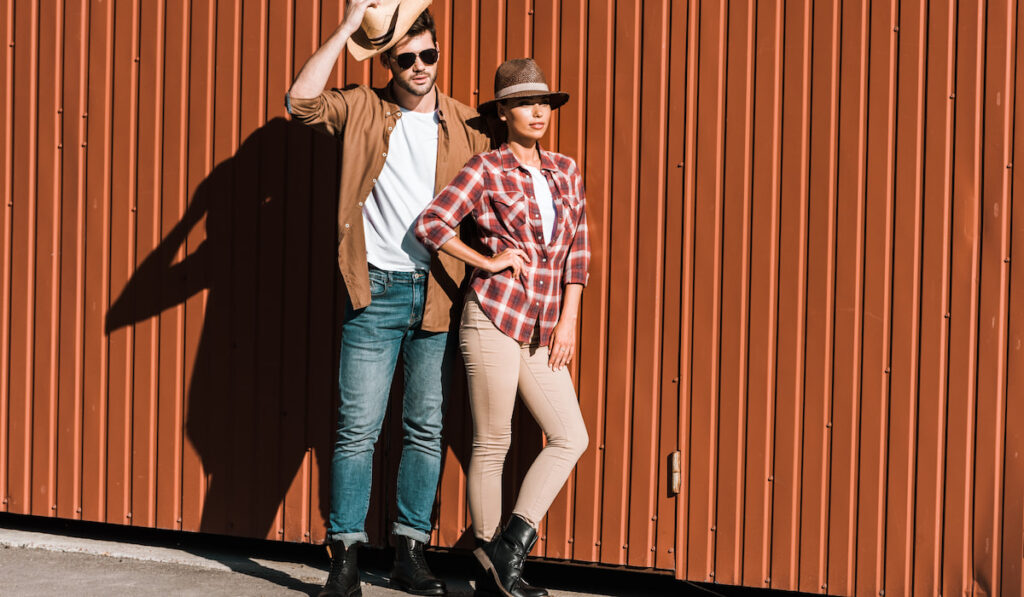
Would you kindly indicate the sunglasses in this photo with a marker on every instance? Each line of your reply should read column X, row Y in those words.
column 407, row 59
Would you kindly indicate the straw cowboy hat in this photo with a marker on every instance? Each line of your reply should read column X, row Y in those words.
column 383, row 26
column 521, row 77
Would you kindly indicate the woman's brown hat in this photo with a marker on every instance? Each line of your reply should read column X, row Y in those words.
column 521, row 77
column 384, row 26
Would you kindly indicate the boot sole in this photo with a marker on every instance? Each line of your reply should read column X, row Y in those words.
column 488, row 565
column 401, row 586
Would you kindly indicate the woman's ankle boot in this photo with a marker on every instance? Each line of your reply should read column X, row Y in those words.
column 502, row 559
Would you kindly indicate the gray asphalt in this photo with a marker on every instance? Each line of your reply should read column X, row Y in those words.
column 44, row 561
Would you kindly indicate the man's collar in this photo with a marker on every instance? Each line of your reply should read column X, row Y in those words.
column 389, row 97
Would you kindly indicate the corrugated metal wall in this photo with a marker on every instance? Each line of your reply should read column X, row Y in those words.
column 806, row 218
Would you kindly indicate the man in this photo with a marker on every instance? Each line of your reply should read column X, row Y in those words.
column 401, row 144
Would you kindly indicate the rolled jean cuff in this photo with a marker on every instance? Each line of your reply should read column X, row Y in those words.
column 348, row 539
column 415, row 534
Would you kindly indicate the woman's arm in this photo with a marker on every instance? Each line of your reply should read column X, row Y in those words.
column 562, row 347
column 508, row 258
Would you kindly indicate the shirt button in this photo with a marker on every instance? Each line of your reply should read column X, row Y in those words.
column 374, row 181
column 346, row 226
column 361, row 204
column 542, row 260
column 541, row 282
column 389, row 128
column 385, row 154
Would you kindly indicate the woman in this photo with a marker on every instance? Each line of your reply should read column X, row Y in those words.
column 518, row 327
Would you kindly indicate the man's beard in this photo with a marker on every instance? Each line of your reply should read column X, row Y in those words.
column 408, row 86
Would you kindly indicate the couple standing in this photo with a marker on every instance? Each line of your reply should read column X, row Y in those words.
column 415, row 163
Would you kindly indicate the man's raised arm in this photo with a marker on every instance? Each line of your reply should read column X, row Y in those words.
column 313, row 76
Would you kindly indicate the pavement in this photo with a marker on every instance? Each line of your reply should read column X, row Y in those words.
column 49, row 557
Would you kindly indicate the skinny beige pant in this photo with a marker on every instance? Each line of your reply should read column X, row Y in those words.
column 496, row 366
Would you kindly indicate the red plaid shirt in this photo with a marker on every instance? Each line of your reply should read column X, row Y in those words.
column 496, row 189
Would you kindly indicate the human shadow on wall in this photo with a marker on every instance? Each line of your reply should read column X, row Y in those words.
column 261, row 376
column 262, row 392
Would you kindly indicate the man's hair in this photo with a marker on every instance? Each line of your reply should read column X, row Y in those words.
column 424, row 22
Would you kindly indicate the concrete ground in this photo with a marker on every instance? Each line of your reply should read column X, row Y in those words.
column 48, row 557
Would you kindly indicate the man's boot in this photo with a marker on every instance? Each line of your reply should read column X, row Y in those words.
column 502, row 559
column 411, row 573
column 343, row 580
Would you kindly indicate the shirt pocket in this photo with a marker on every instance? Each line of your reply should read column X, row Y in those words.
column 510, row 209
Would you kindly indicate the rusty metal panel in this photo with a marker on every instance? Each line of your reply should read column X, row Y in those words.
column 805, row 219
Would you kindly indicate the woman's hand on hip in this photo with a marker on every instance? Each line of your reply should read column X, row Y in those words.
column 516, row 259
column 562, row 346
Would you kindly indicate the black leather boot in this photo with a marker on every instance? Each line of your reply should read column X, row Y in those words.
column 343, row 580
column 502, row 559
column 411, row 573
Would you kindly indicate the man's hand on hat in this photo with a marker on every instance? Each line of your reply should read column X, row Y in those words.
column 354, row 11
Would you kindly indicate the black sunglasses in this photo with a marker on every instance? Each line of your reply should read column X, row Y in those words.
column 407, row 59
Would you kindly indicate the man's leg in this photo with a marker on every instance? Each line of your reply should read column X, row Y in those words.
column 427, row 357
column 371, row 340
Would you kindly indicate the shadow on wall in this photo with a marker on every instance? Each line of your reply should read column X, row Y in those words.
column 261, row 387
column 262, row 391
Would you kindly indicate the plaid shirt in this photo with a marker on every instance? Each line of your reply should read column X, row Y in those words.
column 498, row 191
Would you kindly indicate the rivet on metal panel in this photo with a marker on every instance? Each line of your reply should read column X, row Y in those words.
column 655, row 517
column 679, row 165
column 136, row 59
column 529, row 12
column 569, row 540
column 946, row 316
column 654, row 549
column 53, row 507
column 306, row 534
column 771, row 478
column 476, row 92
column 828, row 425
column 768, row 581
column 129, row 515
column 11, row 44
column 952, row 96
column 896, row 28
column 824, row 587
column 280, row 531
column 713, row 529
column 84, row 143
column 675, row 380
column 78, row 510
column 60, row 110
column 887, row 370
column 626, row 546
column 882, row 592
column 85, row 115
column 601, row 447
column 179, row 521
column 60, row 146
column 670, row 550
column 711, row 574
column 597, row 543
column 1007, row 260
column 1010, row 165
column 544, row 538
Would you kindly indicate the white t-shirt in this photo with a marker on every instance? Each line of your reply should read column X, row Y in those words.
column 402, row 190
column 546, row 203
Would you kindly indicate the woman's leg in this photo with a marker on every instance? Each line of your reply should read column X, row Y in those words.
column 492, row 370
column 552, row 401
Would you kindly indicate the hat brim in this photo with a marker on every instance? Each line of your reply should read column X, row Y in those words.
column 359, row 44
column 556, row 98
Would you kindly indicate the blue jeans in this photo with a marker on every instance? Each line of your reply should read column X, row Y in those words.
column 371, row 341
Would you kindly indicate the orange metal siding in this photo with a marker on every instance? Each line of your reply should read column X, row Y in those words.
column 805, row 220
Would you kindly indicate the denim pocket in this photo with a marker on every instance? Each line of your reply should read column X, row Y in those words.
column 378, row 282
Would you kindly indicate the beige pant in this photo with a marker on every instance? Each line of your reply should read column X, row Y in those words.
column 496, row 366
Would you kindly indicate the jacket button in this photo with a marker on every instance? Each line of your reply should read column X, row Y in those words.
column 360, row 204
column 385, row 154
column 346, row 226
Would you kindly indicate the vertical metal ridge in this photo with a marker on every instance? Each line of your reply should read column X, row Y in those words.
column 6, row 249
column 734, row 382
column 647, row 462
column 993, row 310
column 47, row 263
column 908, row 284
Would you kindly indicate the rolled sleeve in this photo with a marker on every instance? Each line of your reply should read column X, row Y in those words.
column 436, row 225
column 577, row 263
column 326, row 112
